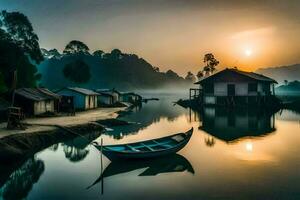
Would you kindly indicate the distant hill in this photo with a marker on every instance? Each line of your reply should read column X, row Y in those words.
column 122, row 71
column 289, row 73
column 290, row 88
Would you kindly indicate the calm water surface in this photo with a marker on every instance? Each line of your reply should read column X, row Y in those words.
column 240, row 154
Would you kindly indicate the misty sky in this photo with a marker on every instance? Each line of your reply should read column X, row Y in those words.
column 173, row 34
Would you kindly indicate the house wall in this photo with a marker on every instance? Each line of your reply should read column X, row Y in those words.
column 41, row 107
column 116, row 97
column 241, row 89
column 79, row 99
column 90, row 102
column 104, row 100
column 129, row 98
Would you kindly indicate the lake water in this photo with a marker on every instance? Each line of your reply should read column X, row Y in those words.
column 233, row 154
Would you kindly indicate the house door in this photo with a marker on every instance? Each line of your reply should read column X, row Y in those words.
column 231, row 90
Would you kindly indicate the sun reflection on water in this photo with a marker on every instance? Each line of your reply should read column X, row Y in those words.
column 249, row 146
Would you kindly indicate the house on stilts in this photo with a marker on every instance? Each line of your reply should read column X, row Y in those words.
column 233, row 87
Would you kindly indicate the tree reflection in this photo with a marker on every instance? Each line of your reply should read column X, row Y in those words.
column 76, row 149
column 54, row 147
column 21, row 180
column 75, row 154
column 210, row 141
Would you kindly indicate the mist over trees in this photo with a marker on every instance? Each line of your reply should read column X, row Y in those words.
column 77, row 71
column 114, row 69
column 22, row 59
column 19, row 51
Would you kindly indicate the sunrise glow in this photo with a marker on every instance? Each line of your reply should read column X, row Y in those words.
column 248, row 52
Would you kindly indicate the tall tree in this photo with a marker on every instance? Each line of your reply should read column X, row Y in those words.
column 98, row 53
column 19, row 48
column 77, row 71
column 76, row 47
column 21, row 32
column 200, row 74
column 210, row 65
column 116, row 54
column 190, row 77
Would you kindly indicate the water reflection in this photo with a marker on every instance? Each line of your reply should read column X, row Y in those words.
column 231, row 125
column 153, row 167
column 20, row 181
column 248, row 168
column 145, row 115
column 75, row 150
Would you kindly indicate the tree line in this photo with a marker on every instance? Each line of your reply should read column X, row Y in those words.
column 21, row 60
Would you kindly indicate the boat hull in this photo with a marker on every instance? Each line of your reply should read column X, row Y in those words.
column 112, row 155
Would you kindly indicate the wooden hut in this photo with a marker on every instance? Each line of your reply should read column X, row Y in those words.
column 130, row 97
column 83, row 99
column 36, row 101
column 108, row 96
column 232, row 86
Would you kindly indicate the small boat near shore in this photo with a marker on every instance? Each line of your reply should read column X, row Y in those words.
column 147, row 149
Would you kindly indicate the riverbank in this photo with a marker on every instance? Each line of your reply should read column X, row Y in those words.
column 35, row 125
column 15, row 145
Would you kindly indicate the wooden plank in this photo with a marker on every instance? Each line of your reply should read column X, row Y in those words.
column 131, row 147
column 147, row 147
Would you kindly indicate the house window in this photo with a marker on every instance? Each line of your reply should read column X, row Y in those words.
column 209, row 88
column 252, row 87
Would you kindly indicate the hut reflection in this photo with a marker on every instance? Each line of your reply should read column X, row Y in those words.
column 230, row 125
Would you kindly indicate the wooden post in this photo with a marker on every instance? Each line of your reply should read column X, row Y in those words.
column 101, row 165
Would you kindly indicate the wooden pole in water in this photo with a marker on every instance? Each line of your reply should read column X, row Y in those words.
column 101, row 165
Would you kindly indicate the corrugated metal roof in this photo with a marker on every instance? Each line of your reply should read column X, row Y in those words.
column 82, row 91
column 110, row 91
column 49, row 93
column 252, row 75
column 36, row 94
column 256, row 76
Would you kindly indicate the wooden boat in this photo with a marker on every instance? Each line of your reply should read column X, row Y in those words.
column 147, row 149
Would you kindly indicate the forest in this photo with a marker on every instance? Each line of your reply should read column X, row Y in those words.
column 77, row 67
column 25, row 64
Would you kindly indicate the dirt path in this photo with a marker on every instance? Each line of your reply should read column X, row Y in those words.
column 80, row 118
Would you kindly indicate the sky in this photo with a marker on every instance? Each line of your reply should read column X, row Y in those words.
column 173, row 34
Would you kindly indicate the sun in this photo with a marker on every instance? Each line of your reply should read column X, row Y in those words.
column 248, row 52
column 249, row 146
